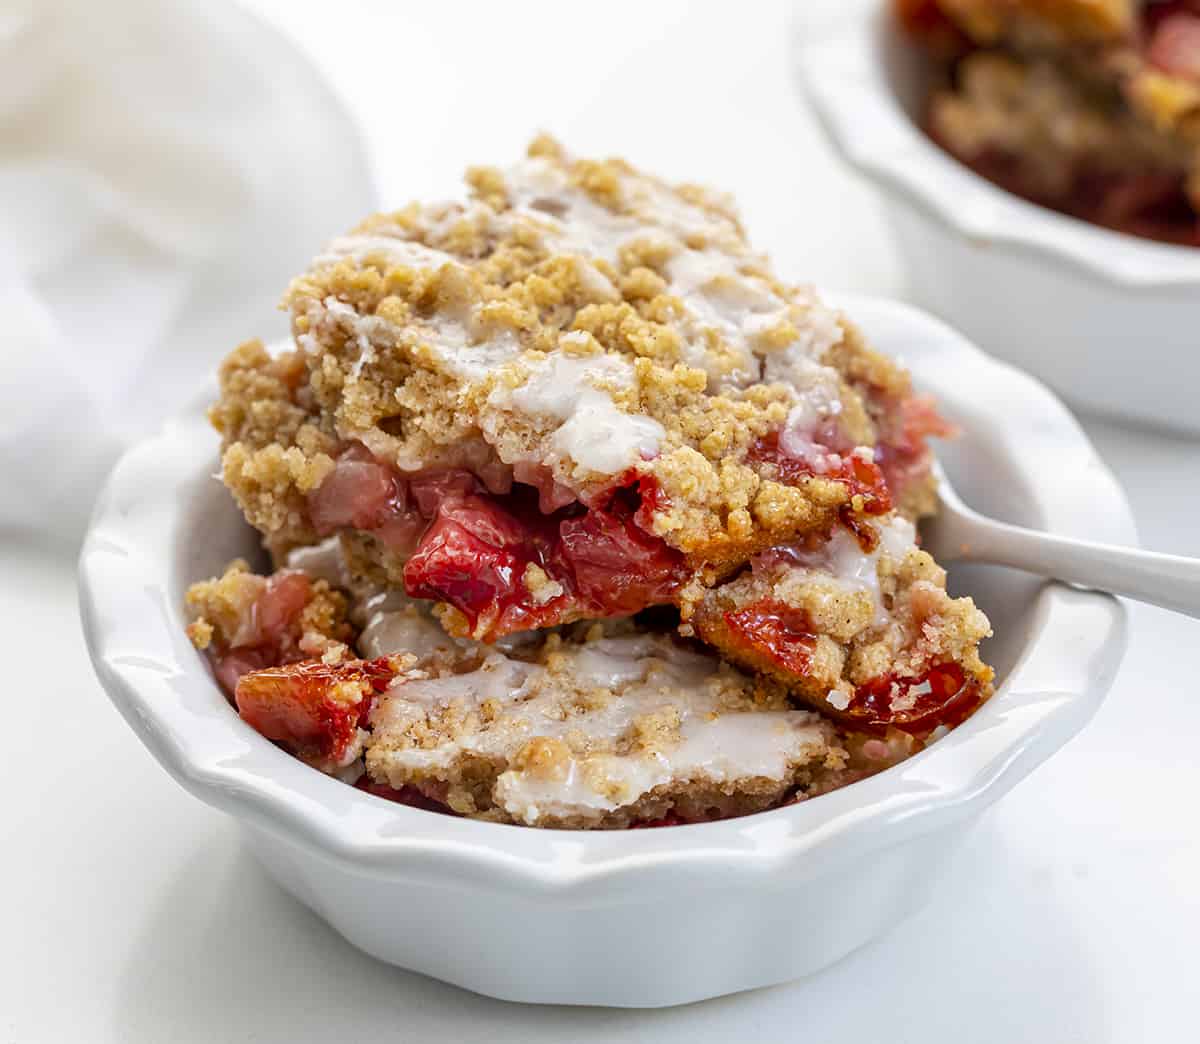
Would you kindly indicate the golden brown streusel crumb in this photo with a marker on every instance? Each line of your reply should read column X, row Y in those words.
column 219, row 606
column 201, row 633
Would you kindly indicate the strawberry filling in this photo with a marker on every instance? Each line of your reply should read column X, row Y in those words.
column 475, row 556
column 312, row 708
column 363, row 493
column 905, row 428
column 552, row 494
column 473, row 549
column 594, row 562
column 919, row 15
column 1174, row 38
column 359, row 493
column 943, row 695
column 778, row 632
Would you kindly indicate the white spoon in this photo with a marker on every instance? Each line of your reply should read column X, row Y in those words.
column 959, row 533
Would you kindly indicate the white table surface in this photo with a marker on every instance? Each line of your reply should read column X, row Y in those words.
column 132, row 914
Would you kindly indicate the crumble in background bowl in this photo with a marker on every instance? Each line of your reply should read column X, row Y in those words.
column 1111, row 321
column 638, row 918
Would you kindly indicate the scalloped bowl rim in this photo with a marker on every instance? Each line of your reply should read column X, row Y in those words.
column 843, row 73
column 163, row 688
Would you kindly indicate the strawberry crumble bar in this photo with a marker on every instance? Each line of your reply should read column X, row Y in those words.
column 580, row 517
column 1090, row 107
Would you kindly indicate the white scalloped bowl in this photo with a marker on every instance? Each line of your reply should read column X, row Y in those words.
column 1109, row 320
column 632, row 918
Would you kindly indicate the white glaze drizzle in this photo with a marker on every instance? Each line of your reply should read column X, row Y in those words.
column 646, row 675
column 593, row 432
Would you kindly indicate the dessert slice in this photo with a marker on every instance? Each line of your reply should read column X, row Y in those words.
column 1091, row 107
column 562, row 400
column 580, row 517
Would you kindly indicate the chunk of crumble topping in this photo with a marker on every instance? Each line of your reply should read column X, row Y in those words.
column 584, row 330
column 838, row 625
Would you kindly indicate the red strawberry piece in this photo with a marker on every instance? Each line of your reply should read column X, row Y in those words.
column 943, row 695
column 779, row 632
column 617, row 566
column 312, row 708
column 360, row 493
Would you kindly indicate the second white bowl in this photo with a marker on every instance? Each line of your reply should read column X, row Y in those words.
column 1112, row 322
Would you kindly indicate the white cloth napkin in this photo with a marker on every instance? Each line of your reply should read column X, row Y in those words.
column 165, row 167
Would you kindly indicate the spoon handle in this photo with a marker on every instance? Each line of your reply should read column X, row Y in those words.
column 1169, row 581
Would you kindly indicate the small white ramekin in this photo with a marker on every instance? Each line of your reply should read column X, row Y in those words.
column 633, row 918
column 1111, row 321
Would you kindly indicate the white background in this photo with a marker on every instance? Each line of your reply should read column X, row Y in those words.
column 131, row 913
